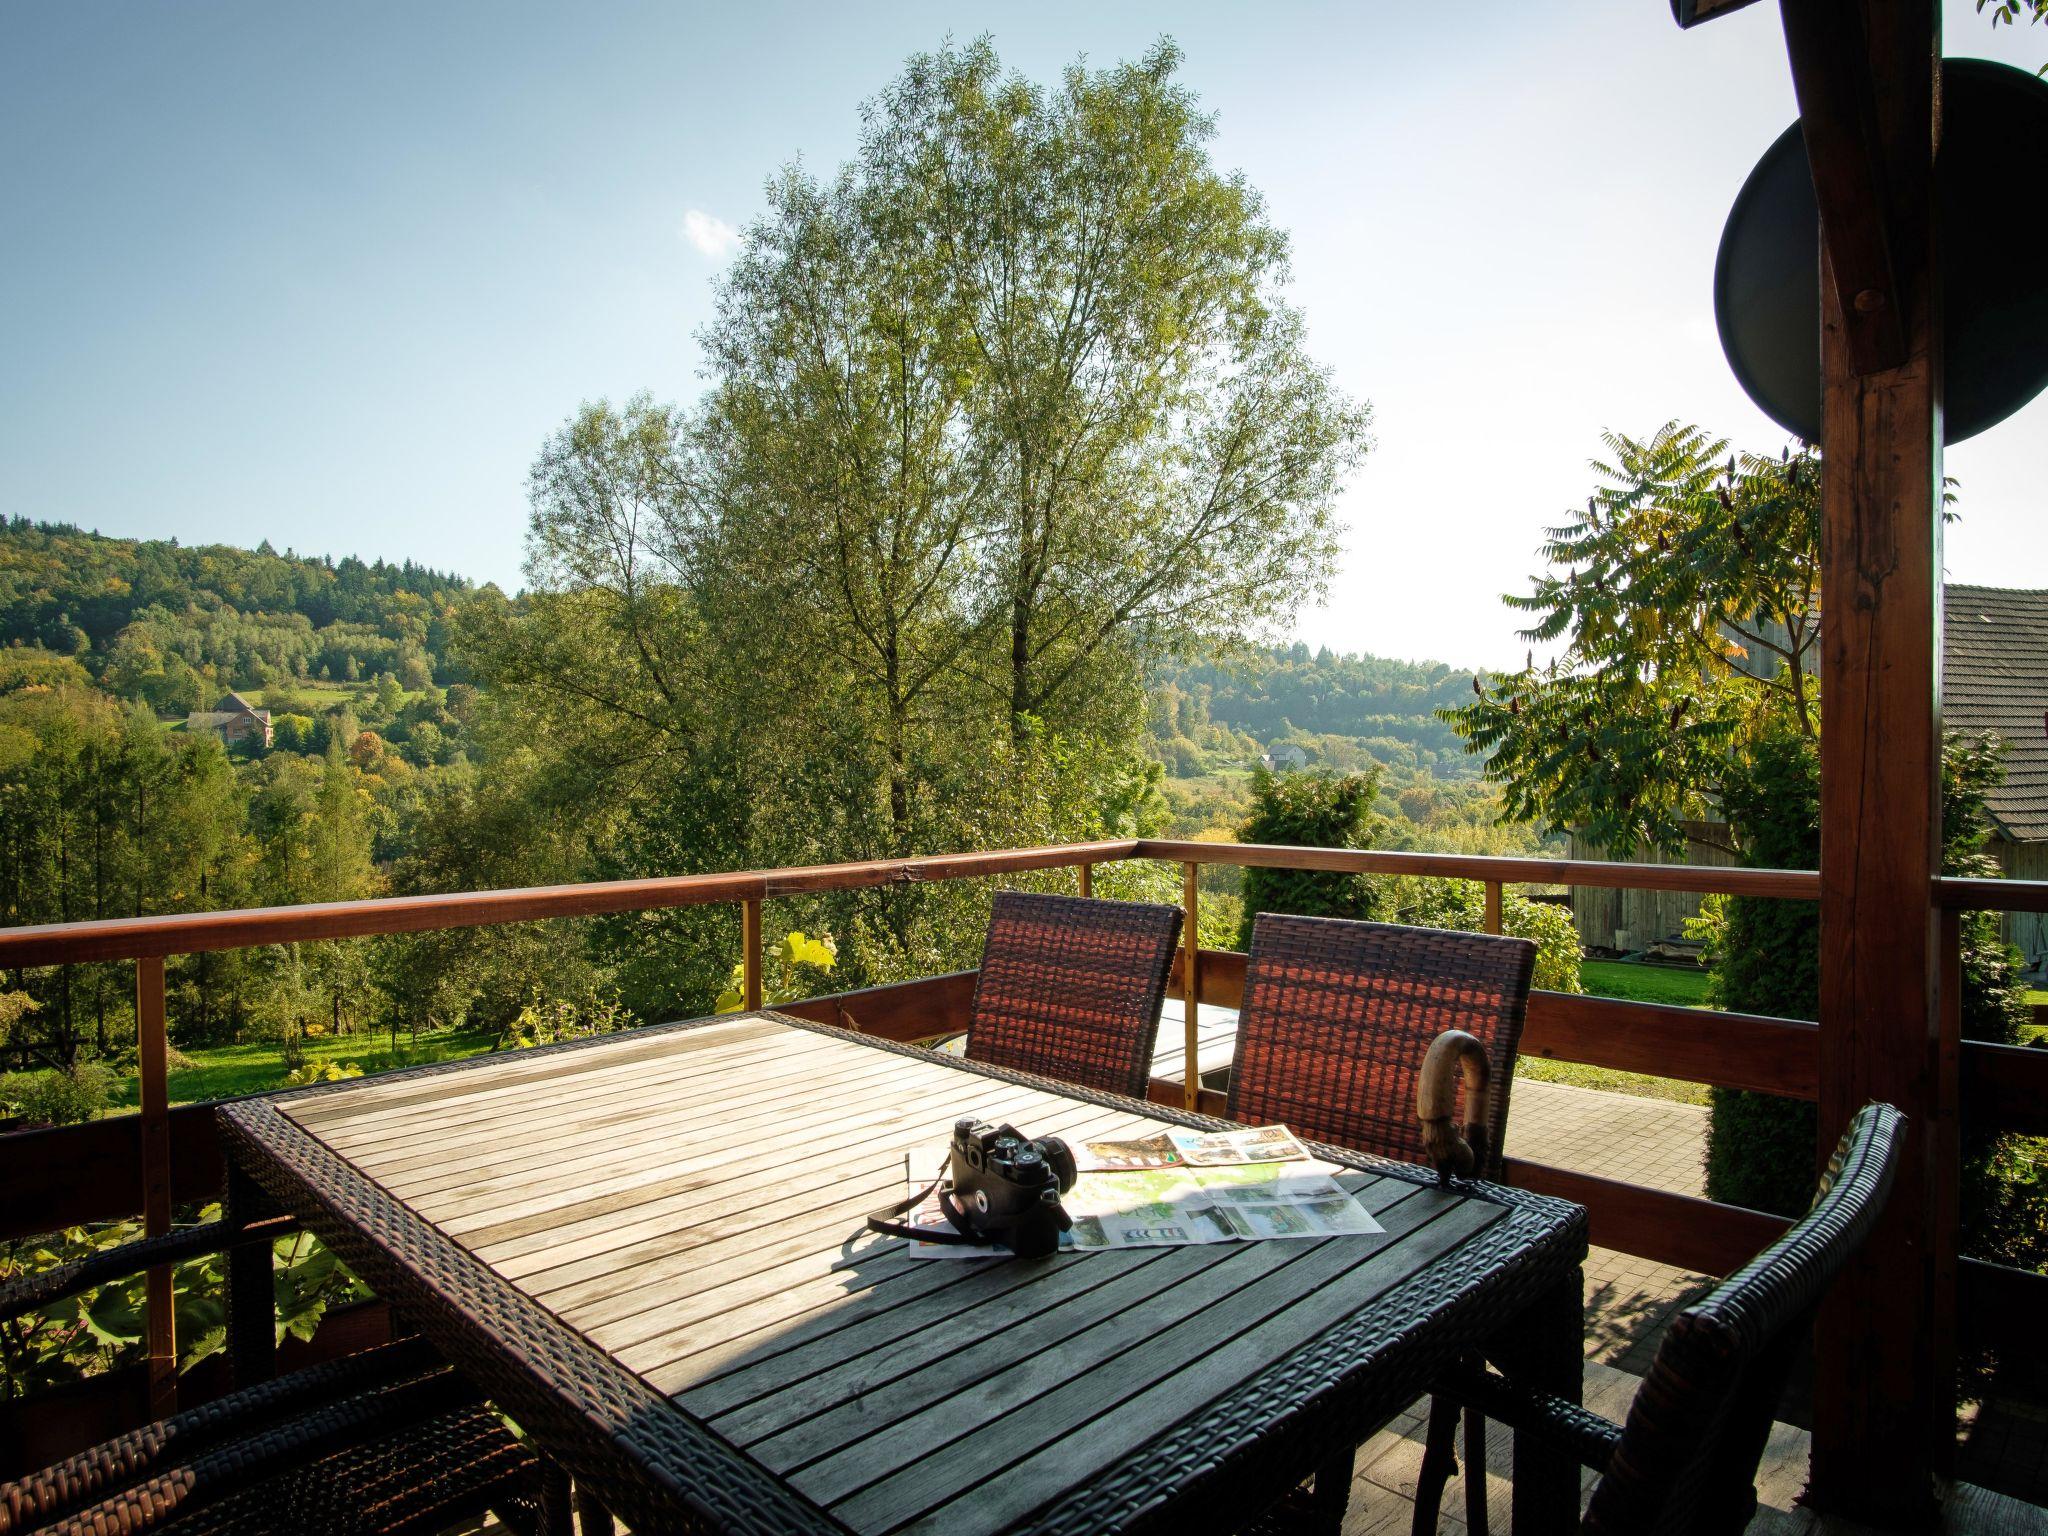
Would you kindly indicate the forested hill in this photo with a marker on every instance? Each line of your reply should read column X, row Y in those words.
column 170, row 623
column 1335, row 708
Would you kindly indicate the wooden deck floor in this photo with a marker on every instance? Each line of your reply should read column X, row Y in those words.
column 1383, row 1489
column 1382, row 1492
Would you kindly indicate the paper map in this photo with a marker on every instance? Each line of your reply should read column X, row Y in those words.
column 1184, row 1187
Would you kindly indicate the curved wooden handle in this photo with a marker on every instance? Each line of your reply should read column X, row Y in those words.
column 1436, row 1099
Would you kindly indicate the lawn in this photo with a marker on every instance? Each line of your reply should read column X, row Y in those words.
column 1639, row 983
column 1633, row 982
column 223, row 1071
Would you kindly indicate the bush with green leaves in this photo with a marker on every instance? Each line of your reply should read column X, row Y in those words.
column 1310, row 810
column 1766, row 955
column 793, row 970
column 50, row 1097
column 1462, row 904
column 103, row 1329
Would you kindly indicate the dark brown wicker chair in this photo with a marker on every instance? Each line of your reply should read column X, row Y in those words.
column 1685, row 1461
column 1338, row 1015
column 1071, row 987
column 387, row 1441
column 1335, row 1021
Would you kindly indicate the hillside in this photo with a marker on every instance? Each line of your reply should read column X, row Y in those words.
column 175, row 625
column 1342, row 712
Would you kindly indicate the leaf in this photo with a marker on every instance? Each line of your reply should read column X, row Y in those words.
column 114, row 1314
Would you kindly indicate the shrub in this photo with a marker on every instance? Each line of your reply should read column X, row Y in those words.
column 58, row 1098
column 1760, row 1149
column 1310, row 810
column 1462, row 904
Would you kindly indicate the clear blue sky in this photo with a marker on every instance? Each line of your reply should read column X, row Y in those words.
column 328, row 275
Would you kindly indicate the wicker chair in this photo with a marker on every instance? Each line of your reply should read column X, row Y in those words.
column 1338, row 1015
column 1071, row 987
column 1686, row 1460
column 386, row 1441
column 1336, row 1019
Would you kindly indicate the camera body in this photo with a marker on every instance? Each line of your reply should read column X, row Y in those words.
column 1005, row 1188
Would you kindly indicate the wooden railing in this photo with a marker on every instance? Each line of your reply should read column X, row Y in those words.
column 166, row 1156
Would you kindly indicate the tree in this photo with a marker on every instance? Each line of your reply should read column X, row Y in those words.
column 853, row 499
column 1163, row 454
column 1687, row 595
column 2009, row 13
column 1309, row 810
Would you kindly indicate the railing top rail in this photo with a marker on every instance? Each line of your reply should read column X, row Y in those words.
column 1791, row 884
column 1962, row 894
column 190, row 933
column 131, row 938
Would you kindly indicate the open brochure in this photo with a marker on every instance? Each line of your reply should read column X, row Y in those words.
column 1183, row 1187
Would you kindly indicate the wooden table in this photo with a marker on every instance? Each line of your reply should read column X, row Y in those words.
column 648, row 1248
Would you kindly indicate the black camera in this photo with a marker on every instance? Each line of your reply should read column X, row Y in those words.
column 1006, row 1189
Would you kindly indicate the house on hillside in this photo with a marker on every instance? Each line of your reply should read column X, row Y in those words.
column 1994, row 681
column 1285, row 757
column 234, row 720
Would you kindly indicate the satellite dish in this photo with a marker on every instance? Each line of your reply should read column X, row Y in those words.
column 1992, row 204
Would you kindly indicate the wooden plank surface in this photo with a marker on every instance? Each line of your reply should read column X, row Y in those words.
column 692, row 1205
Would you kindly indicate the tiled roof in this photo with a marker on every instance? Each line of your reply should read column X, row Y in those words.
column 1995, row 679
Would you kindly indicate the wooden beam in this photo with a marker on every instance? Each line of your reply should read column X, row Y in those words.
column 750, row 955
column 1690, row 13
column 152, row 1065
column 1191, row 976
column 1865, row 235
column 1880, row 1335
column 1699, row 1235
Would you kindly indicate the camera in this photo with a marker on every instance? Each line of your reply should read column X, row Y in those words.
column 1004, row 1188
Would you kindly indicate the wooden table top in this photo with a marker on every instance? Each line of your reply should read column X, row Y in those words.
column 670, row 1223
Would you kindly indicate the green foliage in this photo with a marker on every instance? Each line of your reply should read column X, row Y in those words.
column 1461, row 904
column 50, row 1097
column 1309, row 810
column 793, row 969
column 103, row 1329
column 551, row 1020
column 1226, row 710
column 2009, row 12
column 311, row 1073
column 1687, row 598
column 1761, row 1149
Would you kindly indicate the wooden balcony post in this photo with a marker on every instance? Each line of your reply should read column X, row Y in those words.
column 1191, row 978
column 1493, row 919
column 1866, row 78
column 159, row 1305
column 750, row 954
column 1087, row 873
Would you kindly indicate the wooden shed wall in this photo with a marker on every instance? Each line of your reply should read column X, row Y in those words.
column 1645, row 915
column 2026, row 931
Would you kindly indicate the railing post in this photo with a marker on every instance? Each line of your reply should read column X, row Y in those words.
column 160, row 1319
column 750, row 954
column 1492, row 921
column 1087, row 879
column 1191, row 978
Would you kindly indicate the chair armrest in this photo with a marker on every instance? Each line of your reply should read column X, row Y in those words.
column 1584, row 1434
column 31, row 1293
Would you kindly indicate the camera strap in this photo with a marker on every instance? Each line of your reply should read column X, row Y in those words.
column 884, row 1222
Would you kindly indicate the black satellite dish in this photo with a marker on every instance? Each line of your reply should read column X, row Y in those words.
column 1993, row 208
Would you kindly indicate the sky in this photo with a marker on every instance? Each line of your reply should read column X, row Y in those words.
column 330, row 275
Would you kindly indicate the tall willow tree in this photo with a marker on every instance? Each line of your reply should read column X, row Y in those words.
column 1163, row 454
column 1006, row 403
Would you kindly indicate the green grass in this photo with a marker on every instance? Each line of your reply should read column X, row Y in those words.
column 1633, row 982
column 219, row 1072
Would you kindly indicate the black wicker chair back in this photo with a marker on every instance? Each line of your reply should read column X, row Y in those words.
column 1071, row 987
column 1338, row 1015
column 1688, row 1453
